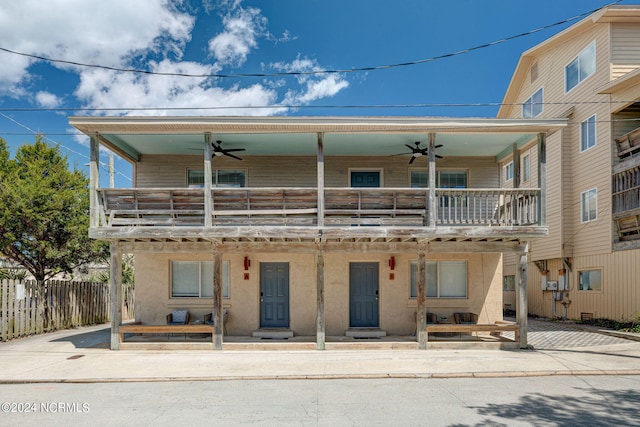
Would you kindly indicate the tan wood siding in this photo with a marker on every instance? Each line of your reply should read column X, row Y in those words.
column 551, row 246
column 274, row 171
column 625, row 49
column 618, row 300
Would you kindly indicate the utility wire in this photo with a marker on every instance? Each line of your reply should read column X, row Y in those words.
column 45, row 137
column 291, row 106
column 311, row 72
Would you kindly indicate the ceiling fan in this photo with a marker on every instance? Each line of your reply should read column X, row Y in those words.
column 417, row 151
column 218, row 151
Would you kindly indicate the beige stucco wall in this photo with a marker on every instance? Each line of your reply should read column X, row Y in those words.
column 397, row 309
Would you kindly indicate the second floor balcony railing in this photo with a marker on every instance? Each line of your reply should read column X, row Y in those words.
column 342, row 207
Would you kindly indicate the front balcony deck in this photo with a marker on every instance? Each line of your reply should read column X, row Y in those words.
column 295, row 212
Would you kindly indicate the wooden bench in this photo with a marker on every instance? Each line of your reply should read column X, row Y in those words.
column 494, row 328
column 166, row 329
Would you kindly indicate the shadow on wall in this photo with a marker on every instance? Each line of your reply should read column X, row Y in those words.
column 588, row 408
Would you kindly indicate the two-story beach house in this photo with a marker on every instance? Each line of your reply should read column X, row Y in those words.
column 319, row 226
column 589, row 266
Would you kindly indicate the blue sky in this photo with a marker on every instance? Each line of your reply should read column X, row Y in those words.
column 257, row 36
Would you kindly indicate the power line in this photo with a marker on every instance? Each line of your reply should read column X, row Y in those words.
column 292, row 106
column 44, row 136
column 312, row 72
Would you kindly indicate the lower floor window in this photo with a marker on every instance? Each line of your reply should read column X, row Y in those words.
column 509, row 283
column 590, row 280
column 194, row 279
column 443, row 279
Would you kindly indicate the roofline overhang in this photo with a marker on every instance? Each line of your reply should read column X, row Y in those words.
column 623, row 82
column 305, row 124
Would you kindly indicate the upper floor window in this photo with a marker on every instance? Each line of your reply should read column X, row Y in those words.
column 508, row 171
column 526, row 169
column 588, row 133
column 589, row 205
column 219, row 178
column 533, row 106
column 444, row 279
column 452, row 179
column 194, row 279
column 419, row 178
column 580, row 68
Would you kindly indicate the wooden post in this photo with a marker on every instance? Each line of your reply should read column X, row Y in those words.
column 94, row 181
column 542, row 178
column 320, row 326
column 433, row 202
column 217, row 300
column 421, row 326
column 116, row 294
column 522, row 310
column 516, row 166
column 320, row 214
column 516, row 184
column 208, row 199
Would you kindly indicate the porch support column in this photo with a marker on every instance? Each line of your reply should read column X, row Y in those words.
column 94, row 181
column 516, row 166
column 320, row 167
column 115, row 290
column 522, row 310
column 208, row 199
column 542, row 178
column 320, row 326
column 433, row 202
column 218, row 318
column 421, row 326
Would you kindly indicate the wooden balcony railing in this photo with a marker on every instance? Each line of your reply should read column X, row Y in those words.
column 393, row 207
column 626, row 191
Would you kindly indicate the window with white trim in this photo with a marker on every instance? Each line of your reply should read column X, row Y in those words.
column 580, row 68
column 443, row 279
column 590, row 280
column 526, row 168
column 508, row 171
column 419, row 178
column 588, row 133
column 194, row 279
column 533, row 106
column 452, row 179
column 589, row 205
column 219, row 178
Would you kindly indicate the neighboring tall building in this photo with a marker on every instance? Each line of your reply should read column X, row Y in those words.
column 590, row 74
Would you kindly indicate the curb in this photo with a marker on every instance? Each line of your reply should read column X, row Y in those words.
column 452, row 375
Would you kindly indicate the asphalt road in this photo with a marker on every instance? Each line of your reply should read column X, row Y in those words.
column 537, row 401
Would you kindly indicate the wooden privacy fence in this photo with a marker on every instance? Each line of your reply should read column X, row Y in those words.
column 26, row 309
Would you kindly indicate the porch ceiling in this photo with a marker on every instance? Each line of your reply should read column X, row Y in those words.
column 350, row 136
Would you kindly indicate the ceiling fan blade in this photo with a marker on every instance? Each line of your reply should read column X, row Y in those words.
column 412, row 159
column 438, row 146
column 400, row 154
column 439, row 157
column 413, row 149
column 229, row 150
column 231, row 155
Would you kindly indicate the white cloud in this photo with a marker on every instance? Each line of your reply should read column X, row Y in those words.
column 313, row 86
column 85, row 31
column 122, row 33
column 47, row 99
column 242, row 28
column 108, row 89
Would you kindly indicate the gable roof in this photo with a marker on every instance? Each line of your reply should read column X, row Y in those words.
column 617, row 13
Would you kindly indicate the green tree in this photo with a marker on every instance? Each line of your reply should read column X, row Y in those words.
column 44, row 211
